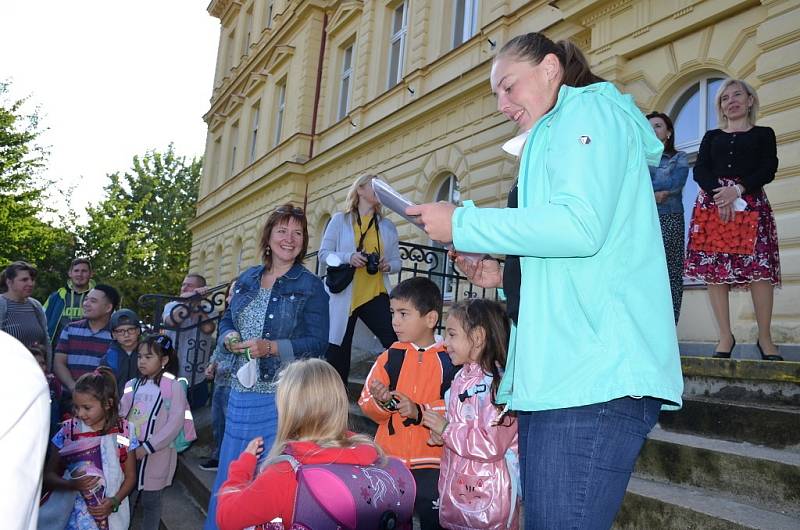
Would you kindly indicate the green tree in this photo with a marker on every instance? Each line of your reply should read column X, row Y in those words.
column 137, row 236
column 24, row 234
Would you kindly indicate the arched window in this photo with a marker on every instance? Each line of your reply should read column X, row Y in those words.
column 694, row 113
column 448, row 192
column 217, row 265
column 238, row 256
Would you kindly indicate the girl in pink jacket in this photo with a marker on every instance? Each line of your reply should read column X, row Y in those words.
column 156, row 408
column 479, row 476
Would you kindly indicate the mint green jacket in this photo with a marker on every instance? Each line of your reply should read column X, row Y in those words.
column 595, row 318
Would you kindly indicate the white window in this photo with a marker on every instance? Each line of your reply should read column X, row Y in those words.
column 248, row 35
column 347, row 75
column 465, row 21
column 254, row 131
column 234, row 144
column 397, row 43
column 448, row 192
column 693, row 114
column 230, row 51
column 280, row 107
column 268, row 11
column 217, row 162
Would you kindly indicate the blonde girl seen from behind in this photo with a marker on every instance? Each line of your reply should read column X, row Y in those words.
column 312, row 427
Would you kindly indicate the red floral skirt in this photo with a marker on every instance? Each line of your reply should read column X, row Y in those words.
column 739, row 270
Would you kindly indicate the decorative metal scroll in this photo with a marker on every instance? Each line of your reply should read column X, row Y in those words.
column 192, row 324
column 434, row 263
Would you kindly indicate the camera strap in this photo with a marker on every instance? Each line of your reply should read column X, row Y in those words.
column 372, row 222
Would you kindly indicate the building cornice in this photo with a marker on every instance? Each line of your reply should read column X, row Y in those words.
column 219, row 8
column 237, row 79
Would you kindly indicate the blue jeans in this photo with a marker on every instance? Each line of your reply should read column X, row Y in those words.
column 219, row 407
column 576, row 462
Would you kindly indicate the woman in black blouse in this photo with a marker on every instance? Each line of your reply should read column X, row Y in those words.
column 735, row 162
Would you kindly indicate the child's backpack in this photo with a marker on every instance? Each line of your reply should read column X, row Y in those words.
column 379, row 496
column 187, row 434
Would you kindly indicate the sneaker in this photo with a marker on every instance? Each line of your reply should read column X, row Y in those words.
column 210, row 465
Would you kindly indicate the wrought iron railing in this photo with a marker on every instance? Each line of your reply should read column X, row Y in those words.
column 187, row 320
column 431, row 262
column 191, row 323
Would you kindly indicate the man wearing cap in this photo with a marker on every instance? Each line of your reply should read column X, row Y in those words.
column 122, row 354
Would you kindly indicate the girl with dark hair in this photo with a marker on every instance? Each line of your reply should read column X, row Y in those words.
column 278, row 313
column 479, row 474
column 21, row 316
column 668, row 178
column 593, row 354
column 89, row 471
column 155, row 404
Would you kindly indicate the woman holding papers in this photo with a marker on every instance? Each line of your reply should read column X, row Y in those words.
column 593, row 354
column 362, row 237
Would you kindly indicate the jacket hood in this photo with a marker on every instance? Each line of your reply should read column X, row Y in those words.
column 653, row 148
column 89, row 287
column 312, row 453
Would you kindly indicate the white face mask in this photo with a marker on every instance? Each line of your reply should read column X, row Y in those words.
column 248, row 374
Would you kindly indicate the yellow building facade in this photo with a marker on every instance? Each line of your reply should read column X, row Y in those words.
column 309, row 94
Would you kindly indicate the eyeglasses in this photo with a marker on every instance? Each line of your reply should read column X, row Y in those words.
column 292, row 211
column 125, row 331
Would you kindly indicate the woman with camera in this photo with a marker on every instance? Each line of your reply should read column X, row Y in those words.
column 362, row 237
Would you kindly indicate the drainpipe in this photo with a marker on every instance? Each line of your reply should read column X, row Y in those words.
column 319, row 83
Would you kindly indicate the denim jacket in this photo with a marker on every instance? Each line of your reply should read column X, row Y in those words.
column 670, row 175
column 296, row 318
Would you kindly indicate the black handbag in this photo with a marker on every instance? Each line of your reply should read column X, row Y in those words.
column 339, row 277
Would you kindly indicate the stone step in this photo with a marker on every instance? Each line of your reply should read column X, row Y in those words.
column 776, row 426
column 181, row 510
column 753, row 474
column 651, row 504
column 198, row 483
column 746, row 381
column 743, row 350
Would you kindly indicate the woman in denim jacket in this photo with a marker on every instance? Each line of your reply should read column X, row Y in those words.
column 669, row 177
column 278, row 313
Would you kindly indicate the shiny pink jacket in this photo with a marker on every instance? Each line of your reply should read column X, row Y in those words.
column 479, row 460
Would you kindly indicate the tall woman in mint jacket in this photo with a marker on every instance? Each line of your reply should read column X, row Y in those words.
column 593, row 354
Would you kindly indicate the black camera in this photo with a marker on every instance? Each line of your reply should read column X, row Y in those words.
column 373, row 262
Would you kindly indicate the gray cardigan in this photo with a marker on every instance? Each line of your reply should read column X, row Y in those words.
column 340, row 240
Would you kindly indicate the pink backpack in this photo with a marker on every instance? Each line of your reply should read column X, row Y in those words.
column 379, row 496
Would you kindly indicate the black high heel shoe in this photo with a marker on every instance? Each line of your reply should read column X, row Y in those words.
column 726, row 354
column 767, row 357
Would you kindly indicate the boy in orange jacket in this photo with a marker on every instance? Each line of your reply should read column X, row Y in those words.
column 409, row 377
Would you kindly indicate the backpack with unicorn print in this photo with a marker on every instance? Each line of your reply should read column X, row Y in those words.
column 379, row 496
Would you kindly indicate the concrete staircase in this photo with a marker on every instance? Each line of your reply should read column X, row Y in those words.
column 729, row 459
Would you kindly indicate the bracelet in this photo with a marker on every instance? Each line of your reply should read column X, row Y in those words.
column 269, row 347
column 115, row 502
column 739, row 190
